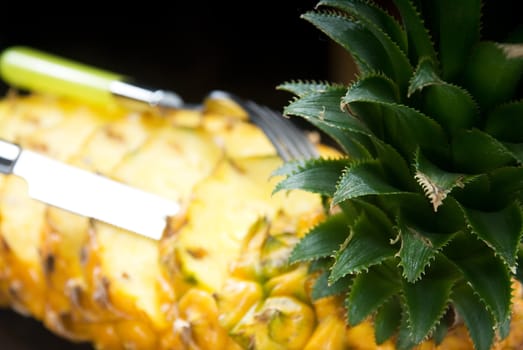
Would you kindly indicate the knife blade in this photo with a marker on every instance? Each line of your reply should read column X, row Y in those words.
column 34, row 70
column 87, row 194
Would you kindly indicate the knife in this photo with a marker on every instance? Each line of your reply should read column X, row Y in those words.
column 87, row 194
column 34, row 70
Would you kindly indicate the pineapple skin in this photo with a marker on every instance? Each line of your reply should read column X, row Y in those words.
column 219, row 279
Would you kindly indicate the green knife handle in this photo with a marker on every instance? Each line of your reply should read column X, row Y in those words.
column 30, row 69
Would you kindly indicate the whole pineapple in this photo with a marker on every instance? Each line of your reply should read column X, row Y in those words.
column 421, row 238
column 426, row 223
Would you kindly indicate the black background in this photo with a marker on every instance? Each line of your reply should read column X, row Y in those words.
column 190, row 47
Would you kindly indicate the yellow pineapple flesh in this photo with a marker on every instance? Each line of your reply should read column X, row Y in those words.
column 89, row 281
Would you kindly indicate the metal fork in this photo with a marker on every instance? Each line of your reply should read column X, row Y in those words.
column 291, row 142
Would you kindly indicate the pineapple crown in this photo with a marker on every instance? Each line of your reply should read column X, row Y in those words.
column 425, row 216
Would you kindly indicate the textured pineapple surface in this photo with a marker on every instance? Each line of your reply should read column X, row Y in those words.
column 218, row 279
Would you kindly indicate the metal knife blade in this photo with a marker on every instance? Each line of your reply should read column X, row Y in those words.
column 87, row 194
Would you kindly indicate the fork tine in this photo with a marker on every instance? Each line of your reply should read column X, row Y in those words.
column 283, row 146
column 290, row 142
column 303, row 146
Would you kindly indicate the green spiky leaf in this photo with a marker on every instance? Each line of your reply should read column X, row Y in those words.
column 501, row 230
column 363, row 179
column 387, row 320
column 449, row 105
column 425, row 75
column 369, row 54
column 373, row 100
column 367, row 245
column 505, row 184
column 487, row 274
column 437, row 183
column 419, row 40
column 456, row 25
column 369, row 291
column 479, row 321
column 493, row 72
column 418, row 249
column 440, row 331
column 303, row 88
column 492, row 191
column 415, row 210
column 322, row 109
column 506, row 122
column 323, row 240
column 373, row 88
column 475, row 151
column 404, row 339
column 435, row 286
column 371, row 14
column 394, row 166
column 288, row 168
column 379, row 23
column 316, row 175
column 372, row 211
column 516, row 150
column 356, row 145
column 504, row 328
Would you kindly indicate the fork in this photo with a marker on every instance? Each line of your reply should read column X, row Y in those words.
column 34, row 70
column 290, row 142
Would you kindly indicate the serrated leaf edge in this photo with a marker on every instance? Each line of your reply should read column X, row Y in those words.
column 425, row 29
column 293, row 260
column 322, row 85
column 507, row 273
column 511, row 269
column 429, row 262
column 436, row 321
column 340, row 15
column 369, row 23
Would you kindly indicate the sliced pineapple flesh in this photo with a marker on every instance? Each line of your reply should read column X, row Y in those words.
column 90, row 281
column 23, row 269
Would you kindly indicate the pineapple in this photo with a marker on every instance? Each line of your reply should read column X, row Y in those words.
column 405, row 236
column 219, row 278
column 425, row 220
